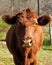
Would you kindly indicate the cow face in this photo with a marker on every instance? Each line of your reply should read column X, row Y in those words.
column 25, row 22
column 25, row 33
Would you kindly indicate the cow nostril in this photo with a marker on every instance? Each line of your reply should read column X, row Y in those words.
column 22, row 41
column 31, row 41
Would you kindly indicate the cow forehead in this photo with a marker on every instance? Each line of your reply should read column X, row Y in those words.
column 27, row 13
column 28, row 21
column 27, row 17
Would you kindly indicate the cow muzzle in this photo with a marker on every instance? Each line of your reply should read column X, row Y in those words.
column 27, row 43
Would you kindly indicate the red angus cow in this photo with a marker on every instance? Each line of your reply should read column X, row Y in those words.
column 25, row 37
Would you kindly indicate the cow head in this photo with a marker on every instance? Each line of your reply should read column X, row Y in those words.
column 25, row 22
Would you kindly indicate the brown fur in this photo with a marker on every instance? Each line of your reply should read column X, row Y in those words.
column 24, row 27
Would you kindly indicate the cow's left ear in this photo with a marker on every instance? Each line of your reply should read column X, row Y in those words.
column 9, row 18
column 43, row 20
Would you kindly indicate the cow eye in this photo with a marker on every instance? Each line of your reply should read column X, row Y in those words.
column 22, row 16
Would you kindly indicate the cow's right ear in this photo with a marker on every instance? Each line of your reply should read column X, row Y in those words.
column 43, row 20
column 10, row 19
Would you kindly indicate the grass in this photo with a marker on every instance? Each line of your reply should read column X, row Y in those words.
column 3, row 25
column 44, row 56
column 5, row 56
column 46, row 42
column 3, row 29
column 2, row 35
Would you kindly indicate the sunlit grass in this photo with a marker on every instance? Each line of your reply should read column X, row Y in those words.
column 3, row 25
column 45, row 56
column 2, row 35
column 3, row 29
column 5, row 56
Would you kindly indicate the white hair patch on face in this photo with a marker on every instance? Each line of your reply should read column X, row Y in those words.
column 36, row 20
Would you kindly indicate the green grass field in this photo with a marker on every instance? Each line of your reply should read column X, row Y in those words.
column 5, row 56
column 3, row 29
column 44, row 56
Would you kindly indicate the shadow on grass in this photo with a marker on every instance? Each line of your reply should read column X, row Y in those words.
column 47, row 49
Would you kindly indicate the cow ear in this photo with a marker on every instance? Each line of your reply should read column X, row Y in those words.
column 43, row 20
column 8, row 18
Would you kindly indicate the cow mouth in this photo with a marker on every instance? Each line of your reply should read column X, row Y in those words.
column 27, row 43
